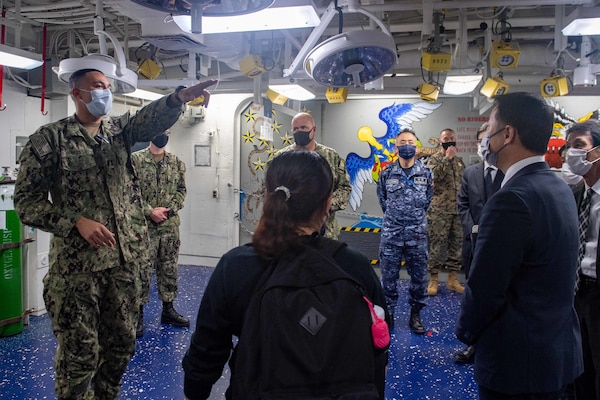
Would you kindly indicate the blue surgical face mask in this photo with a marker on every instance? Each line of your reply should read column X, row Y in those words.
column 407, row 151
column 101, row 102
column 488, row 155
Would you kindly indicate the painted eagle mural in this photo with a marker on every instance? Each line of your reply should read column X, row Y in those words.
column 366, row 169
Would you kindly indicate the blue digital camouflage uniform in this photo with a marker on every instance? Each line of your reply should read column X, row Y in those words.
column 163, row 185
column 92, row 296
column 341, row 185
column 404, row 201
column 445, row 229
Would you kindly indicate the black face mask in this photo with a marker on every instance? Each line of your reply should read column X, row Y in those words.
column 302, row 138
column 448, row 144
column 160, row 141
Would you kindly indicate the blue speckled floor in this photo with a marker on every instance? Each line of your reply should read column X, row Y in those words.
column 421, row 367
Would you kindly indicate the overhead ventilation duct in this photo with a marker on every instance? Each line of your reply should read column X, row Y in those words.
column 347, row 59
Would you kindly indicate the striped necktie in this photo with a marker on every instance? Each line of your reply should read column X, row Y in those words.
column 584, row 223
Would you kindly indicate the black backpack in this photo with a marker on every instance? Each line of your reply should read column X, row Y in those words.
column 306, row 333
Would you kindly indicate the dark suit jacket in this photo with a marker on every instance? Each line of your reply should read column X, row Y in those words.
column 470, row 200
column 579, row 191
column 518, row 301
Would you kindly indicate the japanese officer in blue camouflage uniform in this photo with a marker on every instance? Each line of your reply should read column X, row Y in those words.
column 404, row 189
column 76, row 181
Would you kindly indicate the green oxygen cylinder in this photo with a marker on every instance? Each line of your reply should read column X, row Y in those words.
column 11, row 284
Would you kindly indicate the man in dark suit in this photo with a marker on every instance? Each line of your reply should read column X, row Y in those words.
column 479, row 182
column 517, row 307
column 581, row 139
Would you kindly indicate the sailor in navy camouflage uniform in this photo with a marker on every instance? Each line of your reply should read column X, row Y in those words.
column 404, row 190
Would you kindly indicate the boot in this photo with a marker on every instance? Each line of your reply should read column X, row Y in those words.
column 453, row 283
column 139, row 330
column 171, row 317
column 415, row 321
column 432, row 288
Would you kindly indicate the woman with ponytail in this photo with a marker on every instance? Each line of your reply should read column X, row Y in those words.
column 298, row 188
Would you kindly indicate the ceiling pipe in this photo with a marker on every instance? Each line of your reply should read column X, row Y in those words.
column 439, row 5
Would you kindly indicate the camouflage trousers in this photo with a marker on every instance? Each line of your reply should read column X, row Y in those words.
column 93, row 316
column 445, row 242
column 415, row 257
column 163, row 255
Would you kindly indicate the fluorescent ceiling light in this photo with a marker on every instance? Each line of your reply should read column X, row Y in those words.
column 292, row 91
column 17, row 58
column 583, row 21
column 461, row 84
column 144, row 94
column 272, row 18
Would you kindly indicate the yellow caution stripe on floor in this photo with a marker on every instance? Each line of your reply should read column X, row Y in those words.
column 351, row 229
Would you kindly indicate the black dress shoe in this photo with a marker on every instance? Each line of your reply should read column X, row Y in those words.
column 171, row 317
column 465, row 356
column 415, row 321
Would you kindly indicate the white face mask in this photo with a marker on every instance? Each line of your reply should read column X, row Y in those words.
column 568, row 176
column 488, row 155
column 101, row 102
column 579, row 165
column 479, row 151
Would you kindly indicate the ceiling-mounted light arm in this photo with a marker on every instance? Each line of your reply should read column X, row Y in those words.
column 196, row 14
column 99, row 26
column 353, row 7
column 102, row 35
column 313, row 38
column 438, row 29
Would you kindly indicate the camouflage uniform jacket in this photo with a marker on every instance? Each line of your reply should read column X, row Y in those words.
column 88, row 177
column 162, row 183
column 404, row 201
column 341, row 180
column 341, row 183
column 447, row 175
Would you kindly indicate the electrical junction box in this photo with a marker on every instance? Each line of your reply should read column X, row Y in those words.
column 428, row 92
column 494, row 87
column 149, row 69
column 504, row 55
column 252, row 66
column 276, row 98
column 554, row 86
column 436, row 62
column 336, row 95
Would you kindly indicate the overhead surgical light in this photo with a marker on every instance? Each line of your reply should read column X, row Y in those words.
column 458, row 84
column 347, row 59
column 285, row 15
column 351, row 59
column 583, row 21
column 122, row 80
column 17, row 58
